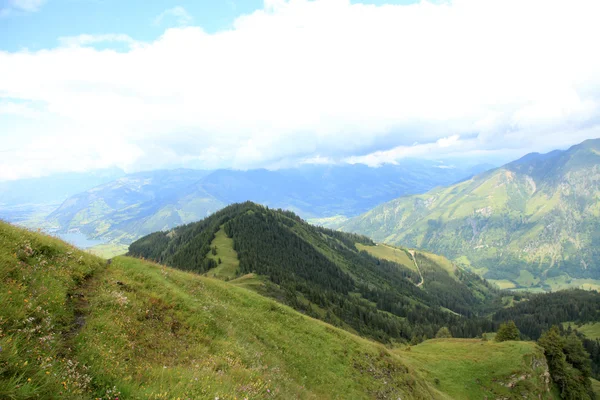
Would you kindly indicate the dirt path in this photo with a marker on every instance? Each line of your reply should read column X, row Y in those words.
column 78, row 300
column 412, row 253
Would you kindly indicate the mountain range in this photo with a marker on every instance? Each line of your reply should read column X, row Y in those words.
column 533, row 223
column 141, row 203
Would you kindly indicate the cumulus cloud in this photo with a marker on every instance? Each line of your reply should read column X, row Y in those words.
column 178, row 14
column 347, row 82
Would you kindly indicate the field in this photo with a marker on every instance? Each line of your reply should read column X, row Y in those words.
column 389, row 253
column 590, row 330
column 474, row 369
column 503, row 283
column 108, row 250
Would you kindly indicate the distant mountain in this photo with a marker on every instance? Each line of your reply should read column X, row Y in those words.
column 53, row 189
column 138, row 204
column 24, row 199
column 331, row 275
column 534, row 222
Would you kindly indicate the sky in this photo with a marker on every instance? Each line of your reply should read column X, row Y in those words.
column 138, row 85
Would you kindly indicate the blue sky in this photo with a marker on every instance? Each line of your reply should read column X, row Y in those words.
column 89, row 84
column 40, row 28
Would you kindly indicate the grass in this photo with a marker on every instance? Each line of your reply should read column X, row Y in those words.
column 73, row 327
column 503, row 283
column 590, row 330
column 229, row 258
column 109, row 250
column 39, row 275
column 596, row 387
column 389, row 253
column 476, row 369
column 565, row 282
column 526, row 279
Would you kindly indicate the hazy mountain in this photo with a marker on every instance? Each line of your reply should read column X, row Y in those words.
column 138, row 204
column 25, row 199
column 535, row 221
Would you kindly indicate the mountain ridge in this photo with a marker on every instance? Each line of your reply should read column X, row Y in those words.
column 536, row 214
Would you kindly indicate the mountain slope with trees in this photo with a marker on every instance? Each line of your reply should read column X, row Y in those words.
column 321, row 272
column 533, row 222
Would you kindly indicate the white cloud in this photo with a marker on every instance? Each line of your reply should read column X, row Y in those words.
column 84, row 40
column 27, row 5
column 358, row 83
column 178, row 13
column 21, row 6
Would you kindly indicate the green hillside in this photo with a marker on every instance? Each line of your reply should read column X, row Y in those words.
column 531, row 224
column 73, row 326
column 474, row 369
column 322, row 273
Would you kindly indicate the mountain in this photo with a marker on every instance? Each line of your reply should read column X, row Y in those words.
column 533, row 223
column 142, row 203
column 138, row 204
column 330, row 275
column 73, row 326
column 35, row 198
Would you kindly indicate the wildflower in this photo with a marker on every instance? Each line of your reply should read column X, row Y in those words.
column 28, row 379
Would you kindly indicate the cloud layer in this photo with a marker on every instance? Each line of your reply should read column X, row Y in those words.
column 303, row 80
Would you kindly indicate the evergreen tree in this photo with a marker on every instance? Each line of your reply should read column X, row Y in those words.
column 508, row 331
column 571, row 381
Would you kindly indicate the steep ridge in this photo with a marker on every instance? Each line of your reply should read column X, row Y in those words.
column 152, row 332
column 322, row 272
column 533, row 222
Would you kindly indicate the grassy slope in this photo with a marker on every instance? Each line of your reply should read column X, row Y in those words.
column 596, row 387
column 390, row 253
column 229, row 259
column 72, row 327
column 590, row 330
column 109, row 250
column 38, row 275
column 151, row 332
column 474, row 369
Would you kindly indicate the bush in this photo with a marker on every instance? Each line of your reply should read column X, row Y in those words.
column 508, row 331
column 444, row 332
